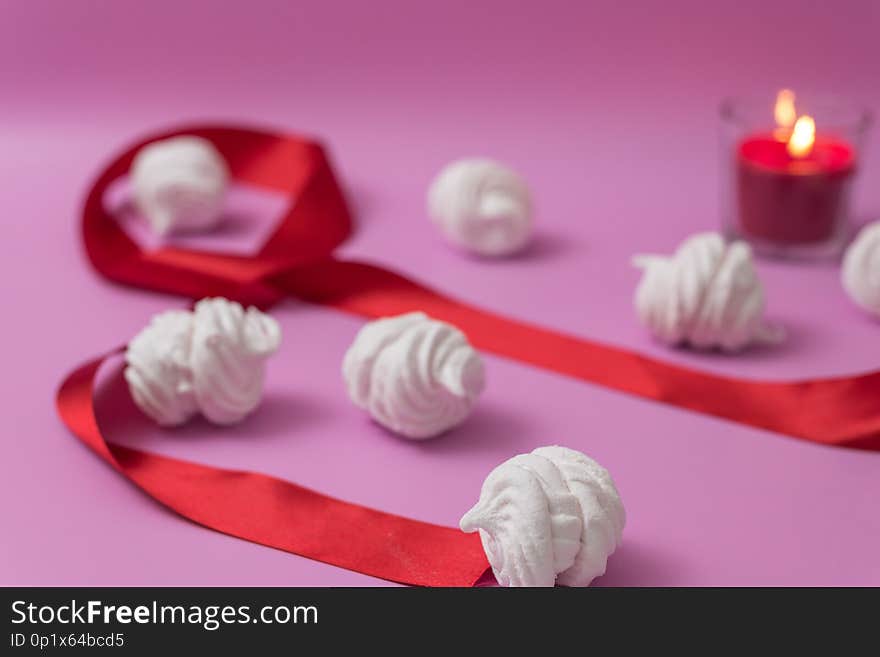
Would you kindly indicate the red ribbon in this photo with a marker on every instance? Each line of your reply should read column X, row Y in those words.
column 280, row 514
column 297, row 259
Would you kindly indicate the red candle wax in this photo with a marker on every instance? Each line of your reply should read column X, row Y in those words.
column 792, row 200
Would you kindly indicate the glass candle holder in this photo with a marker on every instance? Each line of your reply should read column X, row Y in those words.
column 788, row 170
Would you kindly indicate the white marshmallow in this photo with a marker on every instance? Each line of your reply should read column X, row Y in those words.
column 707, row 295
column 860, row 272
column 552, row 516
column 230, row 346
column 179, row 184
column 158, row 371
column 483, row 206
column 211, row 361
column 414, row 375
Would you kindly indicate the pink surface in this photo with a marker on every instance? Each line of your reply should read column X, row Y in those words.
column 610, row 113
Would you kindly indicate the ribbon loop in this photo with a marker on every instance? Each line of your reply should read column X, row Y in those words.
column 277, row 513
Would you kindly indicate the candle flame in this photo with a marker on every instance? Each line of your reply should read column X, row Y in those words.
column 784, row 111
column 803, row 136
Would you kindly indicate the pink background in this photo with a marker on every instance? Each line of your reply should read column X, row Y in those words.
column 608, row 109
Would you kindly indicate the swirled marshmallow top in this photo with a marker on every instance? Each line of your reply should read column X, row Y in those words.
column 707, row 294
column 483, row 206
column 211, row 360
column 179, row 184
column 549, row 517
column 860, row 271
column 414, row 375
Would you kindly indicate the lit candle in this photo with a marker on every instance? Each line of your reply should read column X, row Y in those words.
column 792, row 182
